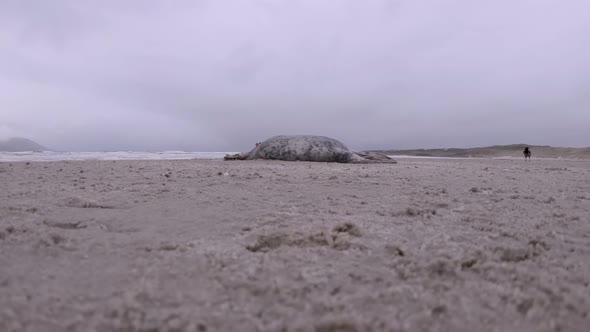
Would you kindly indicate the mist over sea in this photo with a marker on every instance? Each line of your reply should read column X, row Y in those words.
column 114, row 155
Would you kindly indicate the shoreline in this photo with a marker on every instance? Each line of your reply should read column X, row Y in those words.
column 9, row 157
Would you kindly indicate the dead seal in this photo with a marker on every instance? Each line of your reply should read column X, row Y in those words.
column 308, row 148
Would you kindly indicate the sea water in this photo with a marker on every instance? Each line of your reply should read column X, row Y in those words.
column 115, row 155
column 142, row 155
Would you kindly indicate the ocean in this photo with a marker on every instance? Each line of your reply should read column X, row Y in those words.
column 115, row 155
column 141, row 155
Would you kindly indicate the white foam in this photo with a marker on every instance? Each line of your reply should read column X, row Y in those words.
column 115, row 155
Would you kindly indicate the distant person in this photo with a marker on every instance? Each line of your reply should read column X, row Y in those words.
column 527, row 153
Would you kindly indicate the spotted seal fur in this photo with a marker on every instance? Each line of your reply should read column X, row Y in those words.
column 308, row 148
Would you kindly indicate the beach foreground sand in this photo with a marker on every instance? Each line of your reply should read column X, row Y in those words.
column 208, row 245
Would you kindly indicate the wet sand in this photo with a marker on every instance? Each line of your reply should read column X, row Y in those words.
column 209, row 245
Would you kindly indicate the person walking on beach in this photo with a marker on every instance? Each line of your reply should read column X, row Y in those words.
column 527, row 153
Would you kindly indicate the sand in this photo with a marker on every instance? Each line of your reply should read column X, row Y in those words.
column 210, row 245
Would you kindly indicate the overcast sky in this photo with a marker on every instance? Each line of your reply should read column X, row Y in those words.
column 220, row 75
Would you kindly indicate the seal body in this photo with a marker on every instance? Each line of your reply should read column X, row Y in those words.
column 302, row 148
column 306, row 148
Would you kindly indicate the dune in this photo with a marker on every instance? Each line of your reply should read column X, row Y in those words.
column 495, row 151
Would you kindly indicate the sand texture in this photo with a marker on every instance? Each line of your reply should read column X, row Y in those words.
column 210, row 245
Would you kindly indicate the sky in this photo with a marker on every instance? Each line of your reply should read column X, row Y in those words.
column 221, row 75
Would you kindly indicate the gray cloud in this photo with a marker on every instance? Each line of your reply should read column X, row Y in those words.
column 221, row 75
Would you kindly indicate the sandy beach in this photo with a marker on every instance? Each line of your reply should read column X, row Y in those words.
column 211, row 245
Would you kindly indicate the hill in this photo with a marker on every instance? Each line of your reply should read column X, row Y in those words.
column 18, row 144
column 513, row 150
